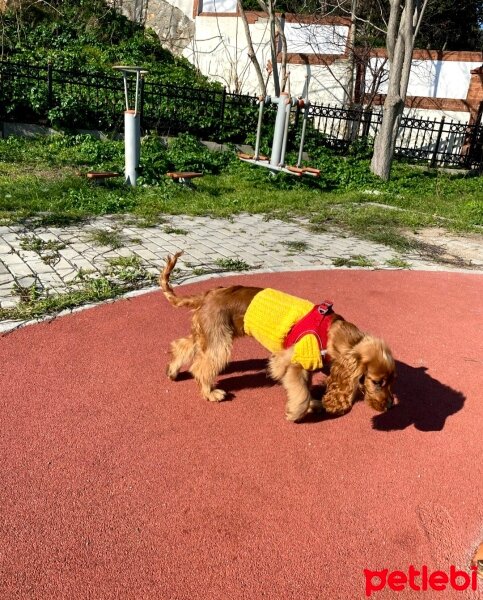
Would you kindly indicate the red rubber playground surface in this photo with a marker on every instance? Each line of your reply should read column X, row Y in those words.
column 117, row 483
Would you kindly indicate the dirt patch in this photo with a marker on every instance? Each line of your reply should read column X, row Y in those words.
column 450, row 248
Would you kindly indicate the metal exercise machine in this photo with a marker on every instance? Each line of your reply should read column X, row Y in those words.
column 276, row 162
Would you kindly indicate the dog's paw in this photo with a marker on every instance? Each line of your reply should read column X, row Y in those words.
column 172, row 372
column 216, row 395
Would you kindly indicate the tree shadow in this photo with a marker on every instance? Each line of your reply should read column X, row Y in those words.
column 423, row 402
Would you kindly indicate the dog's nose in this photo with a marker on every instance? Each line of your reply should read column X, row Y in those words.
column 390, row 402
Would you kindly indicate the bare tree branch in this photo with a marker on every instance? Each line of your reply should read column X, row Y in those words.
column 251, row 52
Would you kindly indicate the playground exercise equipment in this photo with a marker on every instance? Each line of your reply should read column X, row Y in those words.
column 183, row 177
column 276, row 162
column 132, row 123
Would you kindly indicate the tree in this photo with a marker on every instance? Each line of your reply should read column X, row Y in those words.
column 450, row 25
column 404, row 22
column 278, row 44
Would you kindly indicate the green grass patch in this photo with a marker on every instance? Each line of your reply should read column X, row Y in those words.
column 106, row 237
column 232, row 264
column 353, row 261
column 42, row 182
column 122, row 275
column 48, row 250
column 398, row 263
column 295, row 247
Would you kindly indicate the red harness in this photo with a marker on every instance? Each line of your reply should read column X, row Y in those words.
column 317, row 322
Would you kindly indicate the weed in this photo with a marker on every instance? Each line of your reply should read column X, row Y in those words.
column 232, row 264
column 398, row 263
column 122, row 275
column 176, row 230
column 28, row 294
column 48, row 250
column 296, row 246
column 353, row 261
column 106, row 237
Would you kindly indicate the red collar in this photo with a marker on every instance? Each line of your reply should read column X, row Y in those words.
column 317, row 322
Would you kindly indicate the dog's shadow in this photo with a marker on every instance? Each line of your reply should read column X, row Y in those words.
column 243, row 374
column 423, row 402
column 240, row 379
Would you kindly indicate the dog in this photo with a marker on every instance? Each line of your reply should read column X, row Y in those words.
column 359, row 364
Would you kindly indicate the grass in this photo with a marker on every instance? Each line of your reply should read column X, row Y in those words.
column 296, row 247
column 353, row 261
column 43, row 183
column 232, row 264
column 398, row 263
column 48, row 250
column 120, row 276
column 106, row 237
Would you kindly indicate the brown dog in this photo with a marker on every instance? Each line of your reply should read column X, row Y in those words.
column 359, row 363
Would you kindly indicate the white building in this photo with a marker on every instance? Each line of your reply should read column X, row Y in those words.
column 211, row 35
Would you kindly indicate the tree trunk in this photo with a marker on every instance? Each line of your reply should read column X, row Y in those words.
column 401, row 34
column 351, row 61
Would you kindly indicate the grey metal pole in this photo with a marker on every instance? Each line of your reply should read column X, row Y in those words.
column 302, row 135
column 132, row 123
column 288, row 109
column 279, row 129
column 132, row 143
column 259, row 128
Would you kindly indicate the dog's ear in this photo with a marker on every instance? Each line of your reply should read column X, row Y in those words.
column 375, row 352
column 343, row 383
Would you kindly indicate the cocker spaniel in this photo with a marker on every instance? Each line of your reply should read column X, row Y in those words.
column 300, row 336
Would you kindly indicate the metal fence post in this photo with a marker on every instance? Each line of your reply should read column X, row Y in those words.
column 222, row 116
column 434, row 158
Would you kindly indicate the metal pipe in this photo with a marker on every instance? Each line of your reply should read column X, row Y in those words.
column 302, row 135
column 259, row 128
column 288, row 109
column 132, row 143
column 279, row 129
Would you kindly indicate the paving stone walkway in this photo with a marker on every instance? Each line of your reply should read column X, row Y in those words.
column 52, row 257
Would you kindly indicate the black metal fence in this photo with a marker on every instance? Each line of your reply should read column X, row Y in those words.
column 94, row 100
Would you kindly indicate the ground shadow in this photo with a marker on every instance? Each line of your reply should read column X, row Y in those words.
column 423, row 402
column 241, row 380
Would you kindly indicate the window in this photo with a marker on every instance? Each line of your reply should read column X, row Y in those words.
column 218, row 6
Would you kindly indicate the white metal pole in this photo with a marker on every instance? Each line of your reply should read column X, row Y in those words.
column 279, row 129
column 132, row 142
column 302, row 135
column 288, row 108
column 259, row 128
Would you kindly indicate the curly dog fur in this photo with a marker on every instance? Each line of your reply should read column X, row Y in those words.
column 360, row 363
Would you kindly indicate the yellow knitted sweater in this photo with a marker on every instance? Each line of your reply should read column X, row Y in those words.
column 271, row 315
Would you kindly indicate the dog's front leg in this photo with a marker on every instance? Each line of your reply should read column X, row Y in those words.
column 296, row 384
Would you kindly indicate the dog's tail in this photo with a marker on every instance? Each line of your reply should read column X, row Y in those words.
column 171, row 297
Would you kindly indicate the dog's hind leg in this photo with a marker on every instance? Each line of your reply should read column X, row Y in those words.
column 182, row 352
column 295, row 381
